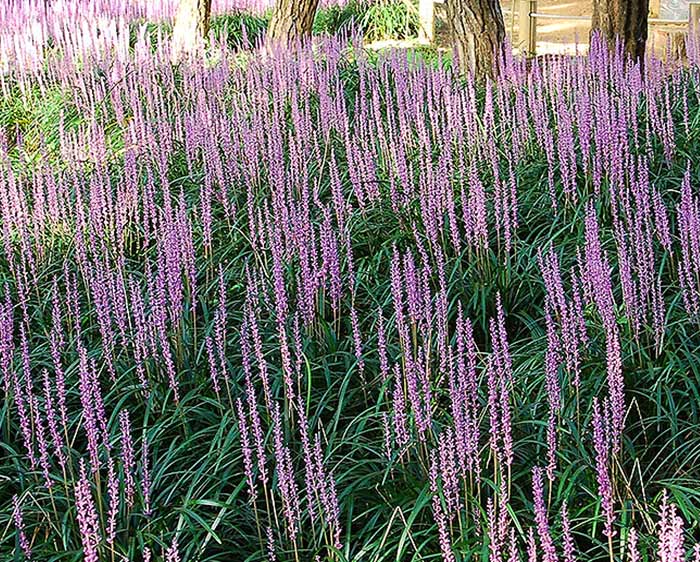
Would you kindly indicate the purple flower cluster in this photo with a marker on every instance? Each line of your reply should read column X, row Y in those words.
column 246, row 275
column 19, row 526
column 87, row 517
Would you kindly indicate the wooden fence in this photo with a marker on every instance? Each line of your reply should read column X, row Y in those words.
column 528, row 17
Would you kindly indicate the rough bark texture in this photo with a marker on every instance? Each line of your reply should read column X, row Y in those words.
column 627, row 20
column 191, row 25
column 291, row 21
column 478, row 33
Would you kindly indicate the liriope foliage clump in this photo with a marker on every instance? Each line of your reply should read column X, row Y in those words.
column 337, row 306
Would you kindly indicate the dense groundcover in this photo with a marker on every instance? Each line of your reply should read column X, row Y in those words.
column 334, row 306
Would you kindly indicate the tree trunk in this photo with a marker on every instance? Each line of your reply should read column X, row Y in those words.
column 627, row 20
column 291, row 21
column 191, row 25
column 426, row 13
column 478, row 33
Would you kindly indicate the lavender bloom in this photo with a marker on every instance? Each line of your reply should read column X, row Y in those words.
column 89, row 415
column 311, row 476
column 246, row 449
column 386, row 427
column 494, row 543
column 475, row 212
column 503, row 340
column 449, row 473
column 597, row 271
column 19, row 528
column 500, row 378
column 616, row 387
column 24, row 399
column 465, row 397
column 548, row 551
column 600, row 287
column 141, row 337
column 252, row 327
column 271, row 557
column 513, row 554
column 633, row 547
column 113, row 493
column 438, row 513
column 663, row 230
column 159, row 332
column 689, row 232
column 602, row 450
column 357, row 340
column 503, row 527
column 103, row 307
column 568, row 539
column 57, row 343
column 382, row 348
column 220, row 323
column 506, row 434
column 494, row 420
column 400, row 415
column 87, row 517
column 213, row 368
column 411, row 281
column 256, row 430
column 551, row 446
column 52, row 422
column 172, row 554
column 568, row 314
column 127, row 457
column 280, row 292
column 310, row 164
column 42, row 444
column 330, row 254
column 531, row 546
column 285, row 475
column 98, row 404
column 670, row 547
column 565, row 148
column 6, row 345
column 327, row 492
column 145, row 479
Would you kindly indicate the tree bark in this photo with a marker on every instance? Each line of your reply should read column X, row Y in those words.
column 626, row 20
column 191, row 25
column 291, row 21
column 478, row 33
column 426, row 12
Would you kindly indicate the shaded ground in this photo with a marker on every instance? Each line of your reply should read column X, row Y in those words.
column 555, row 36
column 562, row 36
column 552, row 36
